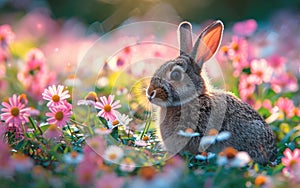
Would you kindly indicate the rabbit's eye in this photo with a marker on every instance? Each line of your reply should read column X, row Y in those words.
column 176, row 75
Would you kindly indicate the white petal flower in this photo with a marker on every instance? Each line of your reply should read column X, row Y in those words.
column 241, row 159
column 113, row 153
column 225, row 135
column 187, row 133
column 208, row 140
column 207, row 156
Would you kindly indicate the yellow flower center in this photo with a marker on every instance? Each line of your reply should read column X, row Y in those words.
column 213, row 132
column 107, row 108
column 15, row 111
column 112, row 156
column 293, row 162
column 230, row 152
column 92, row 96
column 52, row 127
column 189, row 130
column 23, row 98
column 146, row 138
column 115, row 122
column 55, row 98
column 74, row 154
column 147, row 172
column 235, row 46
column 59, row 116
column 260, row 180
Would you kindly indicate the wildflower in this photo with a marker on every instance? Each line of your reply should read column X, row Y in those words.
column 140, row 143
column 286, row 106
column 97, row 144
column 86, row 172
column 233, row 158
column 284, row 82
column 277, row 63
column 53, row 132
column 205, row 156
column 6, row 164
column 59, row 115
column 108, row 107
column 14, row 112
column 21, row 162
column 147, row 172
column 103, row 131
column 214, row 136
column 113, row 153
column 73, row 157
column 109, row 180
column 127, row 165
column 6, row 36
column 290, row 160
column 263, row 181
column 245, row 28
column 121, row 120
column 89, row 100
column 261, row 70
column 55, row 95
column 188, row 133
column 246, row 85
column 35, row 61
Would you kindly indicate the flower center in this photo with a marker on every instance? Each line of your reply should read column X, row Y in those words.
column 213, row 132
column 260, row 180
column 235, row 46
column 112, row 156
column 107, row 108
column 74, row 154
column 115, row 122
column 189, row 130
column 55, row 98
column 59, row 116
column 15, row 111
column 293, row 162
column 52, row 127
column 230, row 152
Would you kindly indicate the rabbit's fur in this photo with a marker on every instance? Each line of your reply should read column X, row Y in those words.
column 181, row 91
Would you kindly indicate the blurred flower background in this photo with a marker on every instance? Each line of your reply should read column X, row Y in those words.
column 72, row 119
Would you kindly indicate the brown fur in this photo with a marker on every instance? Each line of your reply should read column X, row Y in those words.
column 188, row 103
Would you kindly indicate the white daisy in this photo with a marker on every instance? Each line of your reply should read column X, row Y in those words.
column 233, row 158
column 113, row 153
column 188, row 133
column 214, row 136
column 205, row 156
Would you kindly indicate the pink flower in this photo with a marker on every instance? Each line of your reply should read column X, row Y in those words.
column 261, row 70
column 290, row 160
column 59, row 115
column 35, row 61
column 35, row 71
column 108, row 107
column 245, row 28
column 286, row 105
column 86, row 172
column 277, row 62
column 109, row 180
column 246, row 85
column 6, row 164
column 267, row 104
column 55, row 95
column 14, row 112
column 53, row 132
column 21, row 162
column 6, row 36
column 284, row 81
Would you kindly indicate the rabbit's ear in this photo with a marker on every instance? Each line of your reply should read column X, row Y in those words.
column 185, row 37
column 208, row 42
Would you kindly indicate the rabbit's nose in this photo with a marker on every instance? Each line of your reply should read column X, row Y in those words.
column 151, row 93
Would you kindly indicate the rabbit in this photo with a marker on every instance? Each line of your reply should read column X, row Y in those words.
column 187, row 100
